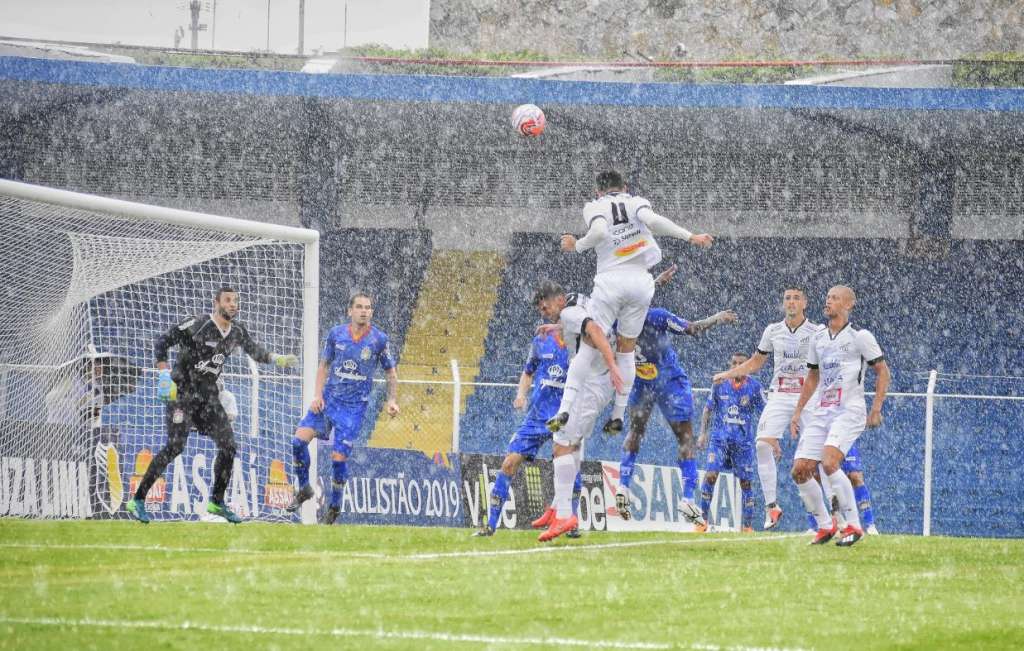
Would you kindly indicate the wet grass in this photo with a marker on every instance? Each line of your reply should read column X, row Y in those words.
column 116, row 585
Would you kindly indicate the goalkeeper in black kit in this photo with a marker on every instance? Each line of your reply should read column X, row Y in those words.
column 193, row 399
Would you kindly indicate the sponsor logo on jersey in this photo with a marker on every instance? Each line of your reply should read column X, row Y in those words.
column 350, row 365
column 187, row 324
column 630, row 249
column 646, row 371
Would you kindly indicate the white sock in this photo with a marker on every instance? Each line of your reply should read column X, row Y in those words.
column 627, row 368
column 844, row 491
column 565, row 476
column 810, row 493
column 579, row 370
column 767, row 471
column 826, row 486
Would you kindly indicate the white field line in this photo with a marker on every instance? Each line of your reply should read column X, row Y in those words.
column 422, row 556
column 377, row 634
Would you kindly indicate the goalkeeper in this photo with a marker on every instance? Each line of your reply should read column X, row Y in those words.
column 193, row 397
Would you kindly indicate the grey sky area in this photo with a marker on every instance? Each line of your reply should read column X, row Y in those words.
column 239, row 24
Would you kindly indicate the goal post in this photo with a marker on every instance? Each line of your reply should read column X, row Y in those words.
column 87, row 283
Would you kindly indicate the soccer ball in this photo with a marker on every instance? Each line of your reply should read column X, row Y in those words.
column 528, row 120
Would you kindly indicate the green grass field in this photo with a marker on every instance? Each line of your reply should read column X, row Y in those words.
column 112, row 585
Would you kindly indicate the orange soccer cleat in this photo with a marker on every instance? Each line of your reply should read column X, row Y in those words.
column 545, row 519
column 823, row 536
column 558, row 527
column 849, row 535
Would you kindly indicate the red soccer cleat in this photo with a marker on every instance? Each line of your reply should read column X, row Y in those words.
column 544, row 520
column 823, row 536
column 849, row 536
column 558, row 527
column 772, row 517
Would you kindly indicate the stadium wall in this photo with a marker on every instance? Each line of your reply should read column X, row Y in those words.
column 730, row 28
column 436, row 157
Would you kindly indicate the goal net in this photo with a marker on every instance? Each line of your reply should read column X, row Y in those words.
column 86, row 286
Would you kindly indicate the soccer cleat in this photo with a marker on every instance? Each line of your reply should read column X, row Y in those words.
column 622, row 504
column 700, row 527
column 849, row 536
column 822, row 536
column 557, row 422
column 613, row 427
column 137, row 509
column 772, row 516
column 747, row 530
column 558, row 527
column 331, row 515
column 483, row 532
column 545, row 519
column 575, row 533
column 301, row 495
column 221, row 510
column 691, row 513
column 872, row 530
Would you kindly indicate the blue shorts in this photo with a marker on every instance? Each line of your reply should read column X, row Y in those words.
column 674, row 397
column 344, row 420
column 727, row 454
column 852, row 461
column 527, row 440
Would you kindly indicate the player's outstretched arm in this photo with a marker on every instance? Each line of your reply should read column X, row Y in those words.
column 596, row 233
column 810, row 384
column 881, row 388
column 392, row 380
column 722, row 317
column 322, row 371
column 664, row 226
column 166, row 388
column 705, row 419
column 749, row 367
column 264, row 356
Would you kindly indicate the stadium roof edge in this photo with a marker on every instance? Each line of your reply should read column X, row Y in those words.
column 426, row 88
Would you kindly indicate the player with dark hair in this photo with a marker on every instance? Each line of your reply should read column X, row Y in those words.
column 621, row 229
column 661, row 381
column 344, row 380
column 733, row 405
column 193, row 398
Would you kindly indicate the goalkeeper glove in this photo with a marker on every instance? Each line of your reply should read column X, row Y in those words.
column 166, row 389
column 285, row 361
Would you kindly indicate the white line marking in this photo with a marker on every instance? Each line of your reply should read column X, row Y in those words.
column 421, row 556
column 378, row 634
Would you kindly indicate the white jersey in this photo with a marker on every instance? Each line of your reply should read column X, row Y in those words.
column 573, row 319
column 790, row 348
column 840, row 360
column 628, row 239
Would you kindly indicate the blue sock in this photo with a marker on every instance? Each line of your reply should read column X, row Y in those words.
column 863, row 497
column 812, row 522
column 747, row 499
column 706, row 490
column 689, row 469
column 577, row 488
column 498, row 496
column 300, row 454
column 339, row 473
column 626, row 469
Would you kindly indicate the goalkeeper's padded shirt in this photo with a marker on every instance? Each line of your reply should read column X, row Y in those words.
column 202, row 351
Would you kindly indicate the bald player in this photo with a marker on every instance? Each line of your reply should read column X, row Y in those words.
column 836, row 361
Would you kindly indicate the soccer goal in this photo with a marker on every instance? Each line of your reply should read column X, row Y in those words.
column 86, row 285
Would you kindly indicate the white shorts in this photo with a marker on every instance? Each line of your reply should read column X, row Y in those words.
column 622, row 295
column 838, row 427
column 593, row 397
column 778, row 411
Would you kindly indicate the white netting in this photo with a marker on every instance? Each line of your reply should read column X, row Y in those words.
column 84, row 294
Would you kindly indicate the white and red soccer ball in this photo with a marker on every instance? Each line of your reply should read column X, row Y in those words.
column 528, row 120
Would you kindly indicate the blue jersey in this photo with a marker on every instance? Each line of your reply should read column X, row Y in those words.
column 548, row 363
column 734, row 409
column 353, row 362
column 655, row 356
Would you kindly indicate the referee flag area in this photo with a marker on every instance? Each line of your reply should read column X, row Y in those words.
column 182, row 585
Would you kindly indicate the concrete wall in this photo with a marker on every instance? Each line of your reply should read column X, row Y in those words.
column 719, row 29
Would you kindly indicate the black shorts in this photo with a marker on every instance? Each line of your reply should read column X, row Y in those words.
column 203, row 414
